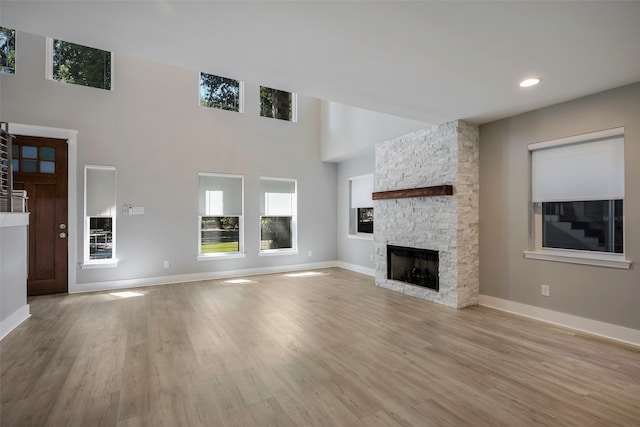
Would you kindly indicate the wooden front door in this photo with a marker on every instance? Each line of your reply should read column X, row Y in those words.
column 40, row 168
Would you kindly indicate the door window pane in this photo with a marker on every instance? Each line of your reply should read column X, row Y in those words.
column 29, row 152
column 47, row 153
column 47, row 167
column 29, row 166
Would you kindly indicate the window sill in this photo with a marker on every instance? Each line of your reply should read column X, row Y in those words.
column 219, row 257
column 276, row 252
column 106, row 264
column 360, row 236
column 579, row 257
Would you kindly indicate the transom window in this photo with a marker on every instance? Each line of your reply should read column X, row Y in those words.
column 80, row 65
column 220, row 219
column 7, row 50
column 278, row 104
column 220, row 92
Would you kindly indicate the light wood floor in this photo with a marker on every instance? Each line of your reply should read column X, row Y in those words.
column 327, row 350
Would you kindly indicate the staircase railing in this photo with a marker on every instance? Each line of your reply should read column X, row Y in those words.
column 6, row 171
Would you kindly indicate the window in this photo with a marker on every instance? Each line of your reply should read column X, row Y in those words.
column 27, row 158
column 220, row 219
column 277, row 104
column 81, row 65
column 7, row 50
column 278, row 207
column 220, row 92
column 100, row 215
column 578, row 198
column 361, row 206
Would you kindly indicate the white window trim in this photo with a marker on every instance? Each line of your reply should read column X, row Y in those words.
column 601, row 259
column 87, row 262
column 361, row 236
column 49, row 65
column 293, row 250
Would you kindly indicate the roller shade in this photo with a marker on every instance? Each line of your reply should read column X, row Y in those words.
column 277, row 197
column 100, row 191
column 361, row 191
column 220, row 195
column 589, row 170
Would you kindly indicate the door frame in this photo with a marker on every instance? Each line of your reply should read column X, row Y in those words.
column 70, row 135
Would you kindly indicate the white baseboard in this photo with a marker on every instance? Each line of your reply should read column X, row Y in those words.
column 357, row 268
column 594, row 327
column 193, row 277
column 12, row 322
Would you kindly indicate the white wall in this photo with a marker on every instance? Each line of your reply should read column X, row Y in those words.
column 349, row 131
column 153, row 130
column 355, row 251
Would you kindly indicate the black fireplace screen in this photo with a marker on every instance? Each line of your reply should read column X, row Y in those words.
column 414, row 266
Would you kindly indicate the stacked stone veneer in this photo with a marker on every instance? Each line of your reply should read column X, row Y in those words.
column 442, row 154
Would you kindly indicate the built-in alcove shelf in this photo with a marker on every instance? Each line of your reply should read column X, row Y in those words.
column 436, row 190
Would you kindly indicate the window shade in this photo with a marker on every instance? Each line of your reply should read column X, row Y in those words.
column 277, row 197
column 589, row 170
column 100, row 191
column 220, row 195
column 361, row 191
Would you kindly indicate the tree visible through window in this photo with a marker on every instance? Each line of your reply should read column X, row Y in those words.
column 81, row 65
column 219, row 92
column 7, row 50
column 276, row 104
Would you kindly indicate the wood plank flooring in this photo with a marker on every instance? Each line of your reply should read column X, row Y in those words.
column 325, row 350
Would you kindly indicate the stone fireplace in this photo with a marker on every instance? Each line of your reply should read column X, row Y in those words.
column 444, row 223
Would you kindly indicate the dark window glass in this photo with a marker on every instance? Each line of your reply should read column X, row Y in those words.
column 219, row 92
column 7, row 50
column 219, row 234
column 365, row 220
column 275, row 232
column 81, row 65
column 276, row 104
column 594, row 225
column 100, row 238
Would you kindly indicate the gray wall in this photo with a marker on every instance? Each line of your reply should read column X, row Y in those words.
column 353, row 250
column 153, row 130
column 605, row 294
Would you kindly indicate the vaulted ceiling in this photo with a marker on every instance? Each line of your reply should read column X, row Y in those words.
column 428, row 61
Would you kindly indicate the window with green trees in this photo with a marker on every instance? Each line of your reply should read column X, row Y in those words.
column 277, row 104
column 278, row 213
column 81, row 65
column 220, row 92
column 7, row 50
column 220, row 207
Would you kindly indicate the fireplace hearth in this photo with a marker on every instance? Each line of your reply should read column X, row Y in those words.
column 414, row 266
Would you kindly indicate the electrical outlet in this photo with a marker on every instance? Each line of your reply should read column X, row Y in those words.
column 310, row 253
column 165, row 264
column 371, row 257
column 544, row 289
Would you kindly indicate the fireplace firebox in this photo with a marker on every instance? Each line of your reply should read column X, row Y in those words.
column 414, row 266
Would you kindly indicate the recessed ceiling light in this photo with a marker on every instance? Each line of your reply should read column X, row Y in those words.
column 530, row 82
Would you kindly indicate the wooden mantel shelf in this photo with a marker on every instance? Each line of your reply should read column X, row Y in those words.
column 436, row 190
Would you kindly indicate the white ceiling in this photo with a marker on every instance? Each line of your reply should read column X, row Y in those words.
column 428, row 61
